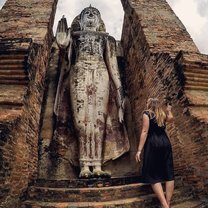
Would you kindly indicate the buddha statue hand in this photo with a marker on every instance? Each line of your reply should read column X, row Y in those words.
column 63, row 34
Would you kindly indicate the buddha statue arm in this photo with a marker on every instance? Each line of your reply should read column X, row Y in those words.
column 64, row 41
column 63, row 34
column 112, row 65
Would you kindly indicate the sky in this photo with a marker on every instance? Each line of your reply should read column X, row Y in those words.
column 192, row 13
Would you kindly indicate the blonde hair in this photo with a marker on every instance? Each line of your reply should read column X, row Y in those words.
column 155, row 106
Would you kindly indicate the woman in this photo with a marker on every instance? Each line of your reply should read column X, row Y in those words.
column 157, row 160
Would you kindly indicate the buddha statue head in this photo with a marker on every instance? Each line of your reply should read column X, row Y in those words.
column 88, row 20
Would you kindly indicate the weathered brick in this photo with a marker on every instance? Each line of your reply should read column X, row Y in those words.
column 155, row 67
column 152, row 40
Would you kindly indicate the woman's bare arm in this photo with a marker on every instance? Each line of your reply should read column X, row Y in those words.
column 143, row 136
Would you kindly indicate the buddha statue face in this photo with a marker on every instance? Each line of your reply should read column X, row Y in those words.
column 90, row 19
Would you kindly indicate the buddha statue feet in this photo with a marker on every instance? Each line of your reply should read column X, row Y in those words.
column 85, row 174
column 107, row 175
column 101, row 174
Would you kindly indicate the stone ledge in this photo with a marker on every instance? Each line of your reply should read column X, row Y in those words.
column 9, row 116
column 131, row 203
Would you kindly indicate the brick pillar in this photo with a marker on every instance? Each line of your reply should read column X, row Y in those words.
column 25, row 42
column 152, row 38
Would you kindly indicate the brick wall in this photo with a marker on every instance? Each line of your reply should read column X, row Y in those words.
column 152, row 38
column 20, row 111
column 28, row 19
column 162, row 29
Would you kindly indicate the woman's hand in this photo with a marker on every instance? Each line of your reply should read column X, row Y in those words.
column 138, row 156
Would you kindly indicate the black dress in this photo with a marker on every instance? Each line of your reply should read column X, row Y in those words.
column 157, row 159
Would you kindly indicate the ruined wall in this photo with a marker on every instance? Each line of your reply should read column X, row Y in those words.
column 25, row 41
column 28, row 19
column 161, row 28
column 152, row 38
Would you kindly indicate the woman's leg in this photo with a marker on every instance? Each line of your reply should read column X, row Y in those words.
column 157, row 188
column 169, row 188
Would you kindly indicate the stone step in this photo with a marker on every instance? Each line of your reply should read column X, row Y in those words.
column 197, row 79
column 15, row 41
column 14, row 51
column 8, row 115
column 11, row 105
column 12, row 61
column 13, row 77
column 14, row 82
column 197, row 98
column 196, row 64
column 13, row 56
column 112, row 192
column 10, row 66
column 197, row 75
column 178, row 197
column 197, row 70
column 144, row 201
column 94, row 182
column 197, row 84
column 13, row 72
column 122, row 203
column 199, row 112
column 12, row 97
column 192, row 87
column 190, row 204
column 87, row 183
column 87, row 194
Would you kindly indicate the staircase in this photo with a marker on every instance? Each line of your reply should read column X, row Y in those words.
column 12, row 68
column 101, row 193
column 196, row 77
column 196, row 85
column 13, row 61
column 13, row 76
